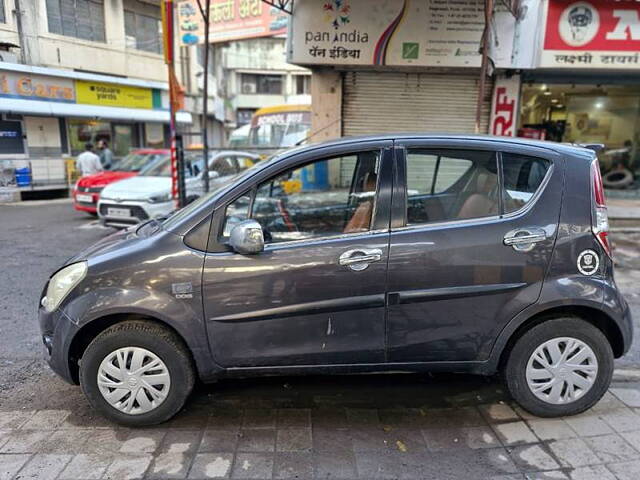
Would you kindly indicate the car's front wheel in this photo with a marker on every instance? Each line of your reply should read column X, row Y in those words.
column 560, row 367
column 137, row 373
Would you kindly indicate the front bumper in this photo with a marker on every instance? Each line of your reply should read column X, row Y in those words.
column 57, row 331
column 85, row 206
column 137, row 212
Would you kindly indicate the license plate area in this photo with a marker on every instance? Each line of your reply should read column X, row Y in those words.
column 84, row 198
column 118, row 212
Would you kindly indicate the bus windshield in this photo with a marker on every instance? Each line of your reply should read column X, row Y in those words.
column 279, row 127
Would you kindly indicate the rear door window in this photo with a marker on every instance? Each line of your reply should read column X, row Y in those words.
column 522, row 177
column 444, row 185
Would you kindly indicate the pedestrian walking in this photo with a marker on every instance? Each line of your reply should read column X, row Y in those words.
column 88, row 162
column 106, row 155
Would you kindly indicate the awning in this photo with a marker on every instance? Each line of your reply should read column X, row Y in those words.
column 61, row 109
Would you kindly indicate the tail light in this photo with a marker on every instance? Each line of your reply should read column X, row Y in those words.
column 599, row 216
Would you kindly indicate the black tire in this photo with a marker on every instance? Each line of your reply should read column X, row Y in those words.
column 158, row 340
column 618, row 178
column 515, row 367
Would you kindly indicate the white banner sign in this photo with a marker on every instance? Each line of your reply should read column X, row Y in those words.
column 395, row 32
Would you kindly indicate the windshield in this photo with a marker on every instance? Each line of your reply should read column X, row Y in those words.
column 279, row 130
column 136, row 161
column 161, row 167
column 184, row 213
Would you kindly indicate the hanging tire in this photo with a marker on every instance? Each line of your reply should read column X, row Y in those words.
column 560, row 367
column 618, row 179
column 137, row 373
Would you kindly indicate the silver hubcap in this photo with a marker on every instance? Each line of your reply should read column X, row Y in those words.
column 561, row 370
column 133, row 380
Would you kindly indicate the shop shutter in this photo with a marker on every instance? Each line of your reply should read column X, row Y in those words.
column 377, row 102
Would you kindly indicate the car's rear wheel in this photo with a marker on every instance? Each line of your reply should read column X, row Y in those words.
column 137, row 373
column 560, row 367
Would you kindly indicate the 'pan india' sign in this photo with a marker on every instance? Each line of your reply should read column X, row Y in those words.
column 382, row 32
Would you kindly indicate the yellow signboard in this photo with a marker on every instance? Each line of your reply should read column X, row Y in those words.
column 113, row 95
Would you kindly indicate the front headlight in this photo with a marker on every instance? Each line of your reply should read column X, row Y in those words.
column 160, row 198
column 62, row 283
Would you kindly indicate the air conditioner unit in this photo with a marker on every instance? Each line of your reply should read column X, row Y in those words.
column 248, row 88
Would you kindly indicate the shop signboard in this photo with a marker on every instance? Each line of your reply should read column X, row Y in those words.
column 592, row 34
column 229, row 20
column 504, row 106
column 26, row 86
column 400, row 33
column 113, row 95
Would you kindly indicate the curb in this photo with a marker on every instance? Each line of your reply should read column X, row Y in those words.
column 626, row 375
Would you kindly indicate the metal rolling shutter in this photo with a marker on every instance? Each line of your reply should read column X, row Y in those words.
column 377, row 102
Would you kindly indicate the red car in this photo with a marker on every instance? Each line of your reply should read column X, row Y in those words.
column 87, row 189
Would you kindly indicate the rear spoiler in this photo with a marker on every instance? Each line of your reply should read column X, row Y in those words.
column 596, row 147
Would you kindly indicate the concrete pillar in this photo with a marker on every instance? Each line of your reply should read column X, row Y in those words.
column 114, row 23
column 326, row 104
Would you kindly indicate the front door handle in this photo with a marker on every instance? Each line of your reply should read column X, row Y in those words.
column 524, row 239
column 359, row 258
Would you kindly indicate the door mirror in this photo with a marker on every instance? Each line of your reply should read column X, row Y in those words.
column 247, row 237
column 213, row 174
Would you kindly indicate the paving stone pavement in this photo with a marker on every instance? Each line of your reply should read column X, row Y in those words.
column 467, row 429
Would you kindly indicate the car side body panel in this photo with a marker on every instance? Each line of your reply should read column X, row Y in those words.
column 157, row 277
column 160, row 277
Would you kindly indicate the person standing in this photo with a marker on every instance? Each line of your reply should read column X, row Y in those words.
column 106, row 155
column 88, row 162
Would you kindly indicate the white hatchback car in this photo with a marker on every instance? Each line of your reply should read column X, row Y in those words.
column 148, row 195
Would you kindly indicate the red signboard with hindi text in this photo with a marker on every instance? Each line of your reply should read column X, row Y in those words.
column 592, row 34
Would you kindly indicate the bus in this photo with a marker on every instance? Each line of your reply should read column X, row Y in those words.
column 279, row 127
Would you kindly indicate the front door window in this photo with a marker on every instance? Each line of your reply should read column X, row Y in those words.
column 329, row 197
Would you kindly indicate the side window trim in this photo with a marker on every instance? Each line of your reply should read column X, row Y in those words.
column 435, row 175
column 501, row 187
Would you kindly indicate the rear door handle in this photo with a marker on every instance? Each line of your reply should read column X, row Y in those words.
column 359, row 258
column 524, row 239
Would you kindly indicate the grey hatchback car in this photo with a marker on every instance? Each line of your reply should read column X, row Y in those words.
column 389, row 253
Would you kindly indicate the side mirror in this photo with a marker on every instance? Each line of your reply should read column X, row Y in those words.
column 247, row 237
column 213, row 174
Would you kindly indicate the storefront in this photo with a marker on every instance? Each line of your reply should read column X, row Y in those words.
column 411, row 66
column 586, row 88
column 57, row 112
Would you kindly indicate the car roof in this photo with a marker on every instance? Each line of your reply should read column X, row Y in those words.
column 234, row 153
column 561, row 148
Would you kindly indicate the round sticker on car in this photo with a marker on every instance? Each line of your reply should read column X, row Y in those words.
column 588, row 262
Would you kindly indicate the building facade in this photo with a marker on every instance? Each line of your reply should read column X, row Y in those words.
column 393, row 65
column 256, row 75
column 73, row 72
column 562, row 70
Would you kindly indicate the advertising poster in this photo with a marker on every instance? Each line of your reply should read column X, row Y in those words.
column 230, row 20
column 112, row 95
column 403, row 33
column 592, row 34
